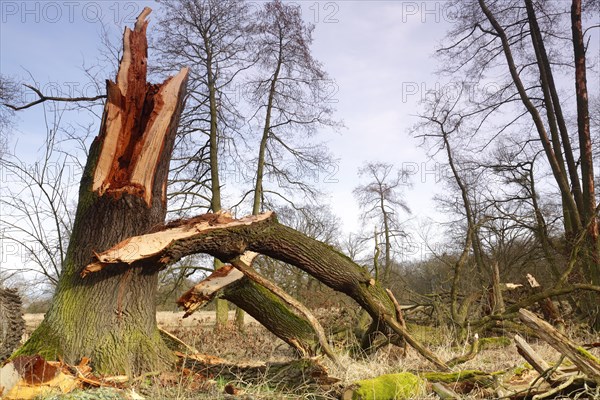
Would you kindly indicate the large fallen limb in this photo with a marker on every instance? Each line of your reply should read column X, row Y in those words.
column 586, row 362
column 288, row 374
column 226, row 239
column 279, row 317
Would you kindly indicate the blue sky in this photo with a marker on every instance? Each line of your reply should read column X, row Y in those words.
column 379, row 54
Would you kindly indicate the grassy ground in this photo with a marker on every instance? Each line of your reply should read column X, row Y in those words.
column 257, row 344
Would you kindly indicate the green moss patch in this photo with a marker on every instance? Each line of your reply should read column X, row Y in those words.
column 403, row 385
column 474, row 376
column 494, row 342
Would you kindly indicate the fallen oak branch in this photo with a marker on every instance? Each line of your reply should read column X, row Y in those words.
column 227, row 239
column 261, row 302
column 288, row 374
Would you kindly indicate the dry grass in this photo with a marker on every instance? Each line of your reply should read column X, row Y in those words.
column 257, row 344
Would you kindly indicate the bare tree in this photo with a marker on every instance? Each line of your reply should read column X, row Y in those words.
column 519, row 42
column 211, row 38
column 9, row 93
column 381, row 201
column 291, row 104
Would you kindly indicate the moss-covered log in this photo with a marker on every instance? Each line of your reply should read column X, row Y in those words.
column 111, row 317
column 282, row 375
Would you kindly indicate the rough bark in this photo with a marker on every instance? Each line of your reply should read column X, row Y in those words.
column 231, row 284
column 226, row 239
column 243, row 263
column 11, row 322
column 111, row 317
column 592, row 260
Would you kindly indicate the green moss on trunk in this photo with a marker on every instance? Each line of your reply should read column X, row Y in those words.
column 110, row 317
column 269, row 310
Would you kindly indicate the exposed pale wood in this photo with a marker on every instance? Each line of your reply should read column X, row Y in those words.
column 145, row 166
column 138, row 117
column 532, row 281
column 139, row 248
column 537, row 362
column 208, row 289
column 444, row 392
column 562, row 344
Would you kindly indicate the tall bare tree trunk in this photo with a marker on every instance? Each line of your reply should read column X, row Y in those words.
column 111, row 317
column 592, row 261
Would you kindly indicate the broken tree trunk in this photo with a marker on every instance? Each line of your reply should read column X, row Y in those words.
column 227, row 238
column 537, row 362
column 549, row 310
column 111, row 317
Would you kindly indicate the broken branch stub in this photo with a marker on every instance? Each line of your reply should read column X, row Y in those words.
column 208, row 289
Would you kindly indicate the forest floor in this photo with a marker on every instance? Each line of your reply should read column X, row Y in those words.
column 256, row 344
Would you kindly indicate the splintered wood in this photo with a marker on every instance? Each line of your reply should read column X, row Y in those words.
column 138, row 117
column 155, row 245
column 586, row 363
column 208, row 289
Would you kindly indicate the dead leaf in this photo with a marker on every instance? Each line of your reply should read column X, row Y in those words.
column 34, row 369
